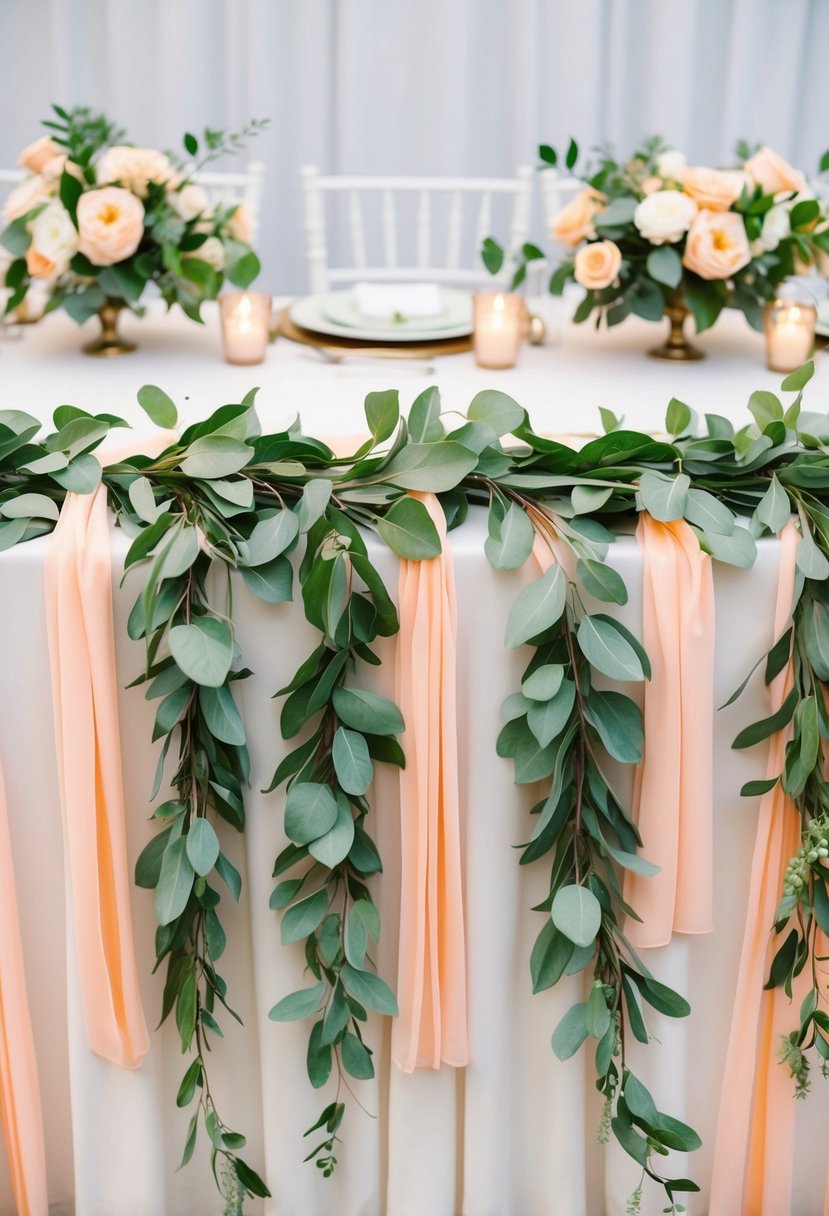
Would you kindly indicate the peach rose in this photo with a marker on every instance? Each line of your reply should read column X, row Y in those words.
column 30, row 192
column 597, row 264
column 651, row 184
column 713, row 189
column 772, row 174
column 110, row 225
column 36, row 156
column 575, row 221
column 717, row 246
column 135, row 168
column 240, row 226
column 38, row 265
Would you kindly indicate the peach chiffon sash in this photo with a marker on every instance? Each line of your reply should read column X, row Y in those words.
column 674, row 783
column 85, row 698
column 754, row 1149
column 431, row 1028
column 20, row 1110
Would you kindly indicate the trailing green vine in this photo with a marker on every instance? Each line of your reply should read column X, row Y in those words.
column 226, row 499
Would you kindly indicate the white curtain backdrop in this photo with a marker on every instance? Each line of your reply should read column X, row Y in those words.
column 421, row 86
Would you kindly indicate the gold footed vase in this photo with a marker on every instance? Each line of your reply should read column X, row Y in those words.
column 676, row 346
column 109, row 343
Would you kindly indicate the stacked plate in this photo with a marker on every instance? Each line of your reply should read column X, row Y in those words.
column 336, row 314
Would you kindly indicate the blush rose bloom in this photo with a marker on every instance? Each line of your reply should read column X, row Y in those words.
column 597, row 264
column 28, row 194
column 36, row 156
column 664, row 216
column 212, row 252
column 717, row 246
column 110, row 225
column 713, row 189
column 240, row 226
column 670, row 164
column 574, row 223
column 135, row 168
column 54, row 242
column 772, row 174
column 190, row 201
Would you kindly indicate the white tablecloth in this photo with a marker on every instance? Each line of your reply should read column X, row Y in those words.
column 513, row 1134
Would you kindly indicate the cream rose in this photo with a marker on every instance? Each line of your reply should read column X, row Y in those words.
column 240, row 226
column 713, row 189
column 772, row 174
column 597, row 264
column 575, row 221
column 36, row 156
column 30, row 192
column 110, row 225
column 717, row 246
column 670, row 164
column 664, row 216
column 135, row 168
column 54, row 241
column 190, row 201
column 212, row 252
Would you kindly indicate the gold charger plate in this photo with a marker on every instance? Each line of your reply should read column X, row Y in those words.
column 287, row 328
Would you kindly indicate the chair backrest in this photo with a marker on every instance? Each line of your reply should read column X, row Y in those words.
column 244, row 188
column 555, row 188
column 220, row 187
column 9, row 178
column 426, row 204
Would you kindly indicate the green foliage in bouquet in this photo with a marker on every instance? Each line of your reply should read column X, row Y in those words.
column 96, row 220
column 652, row 232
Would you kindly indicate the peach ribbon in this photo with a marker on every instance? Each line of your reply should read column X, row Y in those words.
column 431, row 1028
column 20, row 1110
column 674, row 783
column 754, row 1149
column 85, row 697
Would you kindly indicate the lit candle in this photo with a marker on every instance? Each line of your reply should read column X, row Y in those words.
column 500, row 326
column 245, row 317
column 790, row 334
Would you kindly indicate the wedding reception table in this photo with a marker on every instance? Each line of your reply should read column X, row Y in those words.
column 513, row 1134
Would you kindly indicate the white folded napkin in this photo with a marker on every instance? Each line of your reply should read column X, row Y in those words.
column 388, row 300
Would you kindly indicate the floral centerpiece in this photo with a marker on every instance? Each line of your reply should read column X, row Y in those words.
column 97, row 219
column 655, row 236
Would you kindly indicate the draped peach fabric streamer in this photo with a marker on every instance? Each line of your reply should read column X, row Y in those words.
column 20, row 1111
column 754, row 1149
column 85, row 698
column 431, row 1028
column 674, row 783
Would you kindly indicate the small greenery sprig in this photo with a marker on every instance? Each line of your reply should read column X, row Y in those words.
column 190, row 657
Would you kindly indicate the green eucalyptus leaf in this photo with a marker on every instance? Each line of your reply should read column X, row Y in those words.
column 537, row 608
column 310, row 811
column 203, row 650
column 158, row 406
column 202, row 846
column 298, row 1005
column 577, row 914
column 409, row 531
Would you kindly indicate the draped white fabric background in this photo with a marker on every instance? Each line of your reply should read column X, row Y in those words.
column 421, row 86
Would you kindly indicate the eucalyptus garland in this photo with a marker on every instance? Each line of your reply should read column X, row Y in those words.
column 225, row 499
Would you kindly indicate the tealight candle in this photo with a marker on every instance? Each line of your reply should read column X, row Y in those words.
column 245, row 318
column 790, row 333
column 500, row 325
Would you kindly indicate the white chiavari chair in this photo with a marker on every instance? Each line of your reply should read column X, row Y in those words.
column 408, row 247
